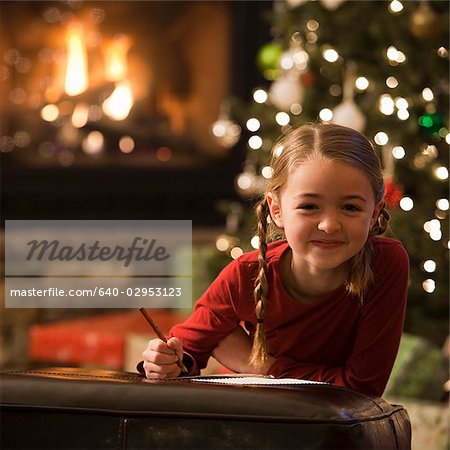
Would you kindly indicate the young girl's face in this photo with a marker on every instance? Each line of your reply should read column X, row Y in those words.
column 326, row 209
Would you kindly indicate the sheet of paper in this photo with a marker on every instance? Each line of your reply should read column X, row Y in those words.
column 237, row 380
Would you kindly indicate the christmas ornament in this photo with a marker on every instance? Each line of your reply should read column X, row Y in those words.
column 268, row 56
column 393, row 193
column 226, row 132
column 347, row 113
column 295, row 3
column 332, row 5
column 425, row 23
column 295, row 59
column 249, row 183
column 286, row 91
column 308, row 79
column 431, row 123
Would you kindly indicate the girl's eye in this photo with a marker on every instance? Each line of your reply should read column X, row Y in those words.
column 352, row 208
column 308, row 207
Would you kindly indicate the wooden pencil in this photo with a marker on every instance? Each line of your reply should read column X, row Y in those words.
column 161, row 336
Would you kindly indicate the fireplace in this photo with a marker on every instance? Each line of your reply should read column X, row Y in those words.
column 109, row 105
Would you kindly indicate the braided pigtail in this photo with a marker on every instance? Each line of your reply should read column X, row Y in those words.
column 382, row 222
column 258, row 355
column 360, row 274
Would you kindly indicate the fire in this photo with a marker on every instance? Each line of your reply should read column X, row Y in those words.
column 76, row 72
column 118, row 105
column 116, row 58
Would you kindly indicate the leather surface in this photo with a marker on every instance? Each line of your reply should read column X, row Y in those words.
column 81, row 408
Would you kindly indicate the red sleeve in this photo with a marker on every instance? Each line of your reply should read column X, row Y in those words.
column 213, row 318
column 378, row 335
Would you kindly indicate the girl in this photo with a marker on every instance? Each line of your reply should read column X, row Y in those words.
column 326, row 303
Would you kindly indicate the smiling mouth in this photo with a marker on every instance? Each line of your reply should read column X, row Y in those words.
column 327, row 244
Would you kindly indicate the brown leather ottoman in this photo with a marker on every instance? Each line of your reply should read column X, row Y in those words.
column 63, row 408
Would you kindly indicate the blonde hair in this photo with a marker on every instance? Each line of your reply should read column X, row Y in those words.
column 334, row 143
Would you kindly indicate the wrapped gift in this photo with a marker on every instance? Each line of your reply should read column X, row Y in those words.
column 96, row 341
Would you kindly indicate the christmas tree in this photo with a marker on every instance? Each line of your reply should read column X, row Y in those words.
column 380, row 67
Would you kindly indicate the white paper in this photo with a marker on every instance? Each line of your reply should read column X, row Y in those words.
column 238, row 381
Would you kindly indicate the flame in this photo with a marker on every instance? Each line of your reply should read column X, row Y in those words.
column 76, row 71
column 118, row 105
column 116, row 58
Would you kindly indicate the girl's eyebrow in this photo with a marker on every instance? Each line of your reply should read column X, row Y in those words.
column 345, row 197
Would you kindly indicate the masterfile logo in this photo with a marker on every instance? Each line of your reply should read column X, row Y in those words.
column 54, row 250
column 98, row 263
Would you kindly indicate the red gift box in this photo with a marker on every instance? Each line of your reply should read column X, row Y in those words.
column 97, row 340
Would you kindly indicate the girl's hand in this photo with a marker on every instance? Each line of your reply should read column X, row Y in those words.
column 160, row 359
column 234, row 353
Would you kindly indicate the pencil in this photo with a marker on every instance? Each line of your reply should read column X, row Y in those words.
column 161, row 336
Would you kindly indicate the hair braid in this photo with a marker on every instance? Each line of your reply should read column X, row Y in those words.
column 382, row 222
column 259, row 350
column 360, row 274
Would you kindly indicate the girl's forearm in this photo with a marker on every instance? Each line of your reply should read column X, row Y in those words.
column 234, row 353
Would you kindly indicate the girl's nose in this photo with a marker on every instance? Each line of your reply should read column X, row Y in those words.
column 329, row 224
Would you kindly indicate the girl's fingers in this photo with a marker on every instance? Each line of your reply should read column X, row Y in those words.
column 161, row 371
column 175, row 345
column 159, row 358
column 157, row 345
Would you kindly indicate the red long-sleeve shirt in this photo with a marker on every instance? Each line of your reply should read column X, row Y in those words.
column 336, row 341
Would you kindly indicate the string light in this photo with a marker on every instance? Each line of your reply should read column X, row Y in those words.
column 255, row 142
column 381, row 138
column 406, row 203
column 362, row 83
column 429, row 286
column 282, row 118
column 386, row 105
column 429, row 266
column 398, row 152
column 296, row 109
column 311, row 37
column 427, row 94
column 401, row 103
column 267, row 172
column 330, row 55
column 391, row 82
column 236, row 252
column 442, row 204
column 441, row 173
column 244, row 181
column 260, row 96
column 223, row 243
column 436, row 235
column 326, row 114
column 395, row 6
column 395, row 56
column 442, row 52
column 255, row 242
column 253, row 124
column 433, row 227
column 278, row 150
column 312, row 25
column 403, row 114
